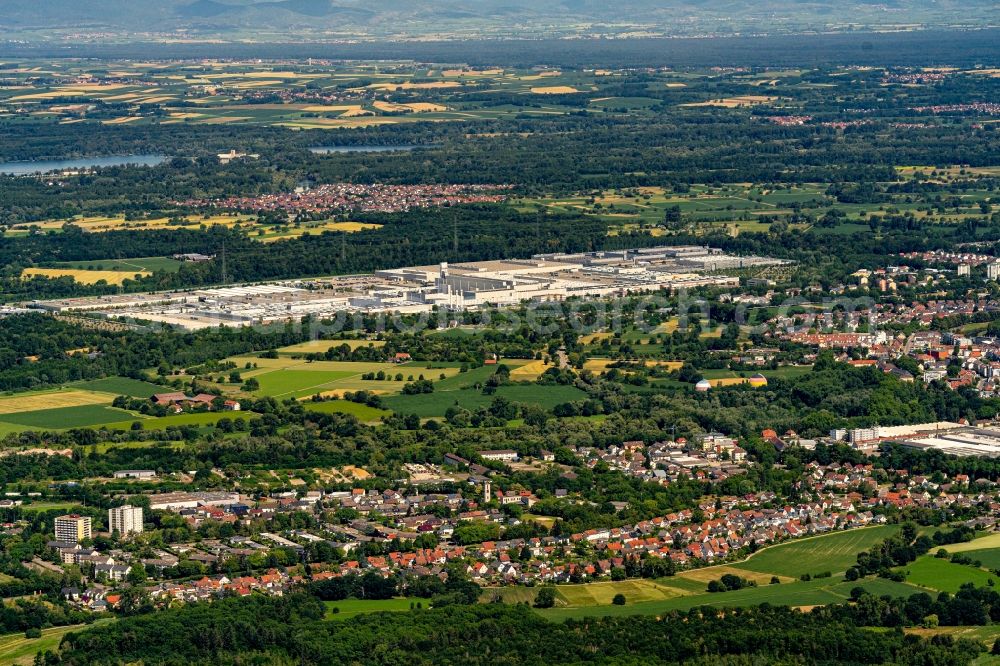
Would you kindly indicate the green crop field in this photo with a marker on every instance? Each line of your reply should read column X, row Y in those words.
column 193, row 418
column 151, row 264
column 799, row 593
column 16, row 649
column 436, row 404
column 940, row 574
column 834, row 552
column 601, row 593
column 66, row 417
column 363, row 413
column 48, row 506
column 122, row 386
column 349, row 608
column 286, row 383
column 989, row 558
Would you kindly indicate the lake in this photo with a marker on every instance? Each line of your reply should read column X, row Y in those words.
column 44, row 166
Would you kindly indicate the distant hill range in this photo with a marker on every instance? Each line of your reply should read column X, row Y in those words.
column 469, row 18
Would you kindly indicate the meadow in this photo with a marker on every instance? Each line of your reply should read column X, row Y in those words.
column 363, row 413
column 834, row 552
column 940, row 574
column 429, row 405
column 348, row 608
column 288, row 376
column 802, row 594
column 16, row 649
column 122, row 386
column 66, row 417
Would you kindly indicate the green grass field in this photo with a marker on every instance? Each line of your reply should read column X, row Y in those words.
column 284, row 383
column 66, row 417
column 940, row 574
column 363, row 413
column 16, row 649
column 48, row 506
column 635, row 591
column 989, row 558
column 122, row 386
column 834, row 552
column 436, row 404
column 349, row 608
column 152, row 264
column 193, row 418
column 799, row 593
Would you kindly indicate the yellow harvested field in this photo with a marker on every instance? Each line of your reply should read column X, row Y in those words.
column 98, row 224
column 51, row 400
column 409, row 85
column 84, row 277
column 314, row 346
column 471, row 72
column 423, row 107
column 186, row 115
column 712, row 573
column 45, row 95
column 602, row 364
column 415, row 107
column 595, row 337
column 735, row 102
column 339, row 393
column 598, row 364
column 256, row 84
column 529, row 372
column 540, row 75
column 120, row 121
column 729, row 381
column 91, row 87
column 989, row 541
column 355, row 109
column 554, row 90
column 351, row 226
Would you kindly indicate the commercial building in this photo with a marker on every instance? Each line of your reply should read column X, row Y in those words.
column 125, row 519
column 73, row 528
column 961, row 441
column 418, row 289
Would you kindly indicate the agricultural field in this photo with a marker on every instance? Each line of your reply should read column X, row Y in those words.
column 364, row 413
column 834, row 552
column 806, row 594
column 19, row 403
column 989, row 541
column 987, row 635
column 321, row 346
column 15, row 649
column 114, row 271
column 745, row 207
column 288, row 377
column 348, row 608
column 84, row 276
column 435, row 404
column 66, row 417
column 940, row 574
column 135, row 265
column 121, row 386
column 76, row 405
